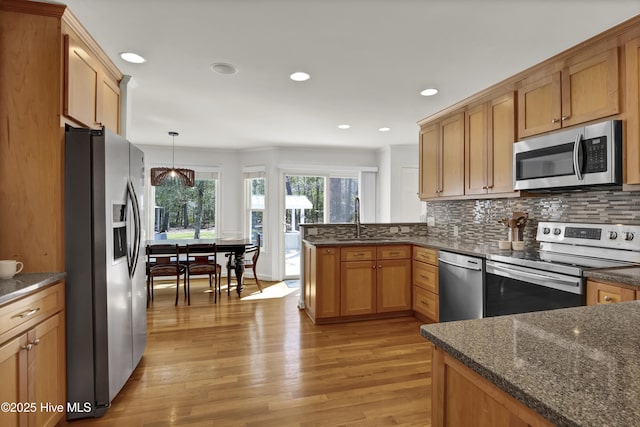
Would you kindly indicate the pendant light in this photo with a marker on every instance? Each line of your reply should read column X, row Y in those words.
column 187, row 177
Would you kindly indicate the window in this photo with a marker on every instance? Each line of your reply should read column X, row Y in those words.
column 187, row 212
column 255, row 190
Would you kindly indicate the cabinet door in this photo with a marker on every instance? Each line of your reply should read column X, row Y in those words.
column 310, row 279
column 393, row 285
column 109, row 108
column 500, row 139
column 632, row 142
column 81, row 83
column 13, row 371
column 429, row 178
column 425, row 276
column 539, row 106
column 357, row 288
column 47, row 360
column 452, row 156
column 425, row 303
column 475, row 153
column 590, row 88
column 328, row 282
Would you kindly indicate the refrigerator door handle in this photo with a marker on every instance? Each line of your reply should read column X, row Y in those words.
column 132, row 257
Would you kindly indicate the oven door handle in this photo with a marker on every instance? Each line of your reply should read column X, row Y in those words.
column 577, row 148
column 573, row 285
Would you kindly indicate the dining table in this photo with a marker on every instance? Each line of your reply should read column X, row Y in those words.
column 234, row 246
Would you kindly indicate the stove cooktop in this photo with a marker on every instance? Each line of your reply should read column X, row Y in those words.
column 572, row 248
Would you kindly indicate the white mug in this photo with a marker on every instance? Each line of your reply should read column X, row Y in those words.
column 9, row 268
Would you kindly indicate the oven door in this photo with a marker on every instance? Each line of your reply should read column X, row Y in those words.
column 512, row 289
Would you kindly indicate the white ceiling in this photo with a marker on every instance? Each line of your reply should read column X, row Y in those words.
column 369, row 60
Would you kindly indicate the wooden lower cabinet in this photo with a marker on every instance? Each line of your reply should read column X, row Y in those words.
column 32, row 359
column 425, row 284
column 378, row 282
column 393, row 285
column 461, row 397
column 345, row 283
column 607, row 293
column 322, row 281
column 357, row 287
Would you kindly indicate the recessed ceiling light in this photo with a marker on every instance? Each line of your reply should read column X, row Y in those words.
column 299, row 76
column 384, row 129
column 344, row 126
column 429, row 92
column 223, row 68
column 132, row 57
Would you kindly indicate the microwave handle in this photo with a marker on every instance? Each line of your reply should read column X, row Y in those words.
column 577, row 148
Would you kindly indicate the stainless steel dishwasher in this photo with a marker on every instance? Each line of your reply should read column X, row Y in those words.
column 461, row 286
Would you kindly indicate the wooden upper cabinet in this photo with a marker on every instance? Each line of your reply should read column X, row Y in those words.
column 585, row 89
column 632, row 112
column 429, row 181
column 91, row 95
column 590, row 88
column 108, row 111
column 475, row 152
column 501, row 137
column 442, row 158
column 81, row 83
column 539, row 107
column 451, row 162
column 489, row 138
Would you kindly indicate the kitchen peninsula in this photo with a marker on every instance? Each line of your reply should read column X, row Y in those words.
column 569, row 367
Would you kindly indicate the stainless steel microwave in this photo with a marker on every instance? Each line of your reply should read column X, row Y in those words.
column 587, row 156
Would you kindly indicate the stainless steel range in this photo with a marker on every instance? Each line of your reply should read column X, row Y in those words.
column 553, row 276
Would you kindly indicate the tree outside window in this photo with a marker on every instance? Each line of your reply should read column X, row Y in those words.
column 186, row 212
column 256, row 191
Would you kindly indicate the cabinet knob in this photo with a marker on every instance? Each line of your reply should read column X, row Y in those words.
column 564, row 118
column 607, row 298
column 27, row 347
column 379, row 266
column 36, row 341
column 554, row 121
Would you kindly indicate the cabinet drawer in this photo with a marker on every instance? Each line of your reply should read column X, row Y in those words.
column 427, row 255
column 358, row 253
column 602, row 293
column 16, row 317
column 425, row 276
column 394, row 252
column 425, row 303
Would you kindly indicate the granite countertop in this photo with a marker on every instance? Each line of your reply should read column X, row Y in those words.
column 623, row 275
column 25, row 283
column 454, row 245
column 576, row 366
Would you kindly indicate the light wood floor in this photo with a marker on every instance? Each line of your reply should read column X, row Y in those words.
column 261, row 362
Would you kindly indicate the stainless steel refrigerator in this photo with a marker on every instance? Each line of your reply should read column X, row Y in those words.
column 105, row 284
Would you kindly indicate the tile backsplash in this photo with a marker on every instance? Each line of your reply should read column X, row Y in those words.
column 477, row 220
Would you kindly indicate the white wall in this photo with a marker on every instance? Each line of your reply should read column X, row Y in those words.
column 277, row 161
column 398, row 199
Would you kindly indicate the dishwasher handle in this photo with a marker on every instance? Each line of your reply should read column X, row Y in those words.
column 467, row 267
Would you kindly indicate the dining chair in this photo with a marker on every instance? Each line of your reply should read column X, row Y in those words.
column 163, row 260
column 251, row 255
column 202, row 258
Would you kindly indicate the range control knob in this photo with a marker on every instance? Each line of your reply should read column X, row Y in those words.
column 628, row 236
column 613, row 235
column 557, row 231
column 546, row 230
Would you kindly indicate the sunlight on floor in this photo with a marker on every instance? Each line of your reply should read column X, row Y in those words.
column 278, row 290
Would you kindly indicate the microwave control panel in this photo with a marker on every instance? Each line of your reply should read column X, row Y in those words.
column 596, row 155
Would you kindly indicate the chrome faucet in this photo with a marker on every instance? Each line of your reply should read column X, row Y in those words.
column 356, row 217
